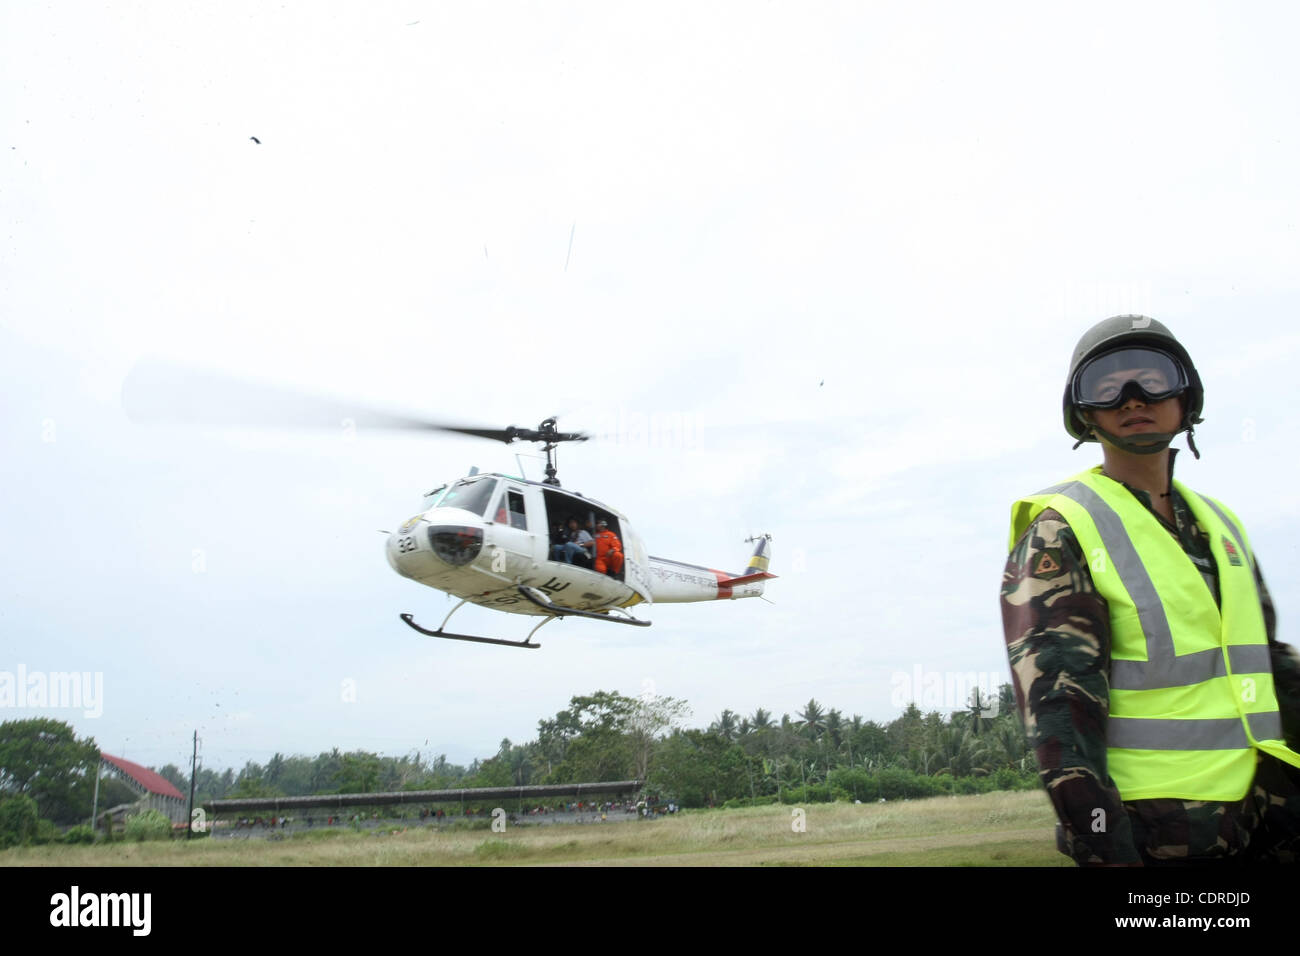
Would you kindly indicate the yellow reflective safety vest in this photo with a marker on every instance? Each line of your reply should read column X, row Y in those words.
column 1191, row 683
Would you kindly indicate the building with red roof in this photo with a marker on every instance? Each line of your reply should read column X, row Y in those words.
column 156, row 792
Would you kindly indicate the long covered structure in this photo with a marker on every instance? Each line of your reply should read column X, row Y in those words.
column 464, row 795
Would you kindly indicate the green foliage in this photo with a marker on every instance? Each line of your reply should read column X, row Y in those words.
column 500, row 849
column 149, row 825
column 19, row 818
column 46, row 832
column 359, row 773
column 857, row 782
column 698, row 769
column 173, row 775
column 492, row 772
column 809, row 793
column 252, row 786
column 81, row 833
column 600, row 754
column 1008, row 778
column 820, row 754
column 114, row 792
column 43, row 759
column 652, row 717
column 211, row 785
column 736, row 802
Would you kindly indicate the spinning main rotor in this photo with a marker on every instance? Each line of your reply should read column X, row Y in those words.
column 165, row 393
column 545, row 434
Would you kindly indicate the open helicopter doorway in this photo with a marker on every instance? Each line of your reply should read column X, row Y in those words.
column 560, row 507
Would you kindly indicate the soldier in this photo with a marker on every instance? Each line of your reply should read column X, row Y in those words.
column 1163, row 713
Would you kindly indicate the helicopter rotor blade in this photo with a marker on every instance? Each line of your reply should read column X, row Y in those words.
column 506, row 435
column 162, row 393
column 157, row 392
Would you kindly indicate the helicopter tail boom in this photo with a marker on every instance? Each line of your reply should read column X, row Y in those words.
column 674, row 582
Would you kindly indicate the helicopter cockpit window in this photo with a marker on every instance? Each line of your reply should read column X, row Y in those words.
column 473, row 496
column 517, row 517
column 510, row 510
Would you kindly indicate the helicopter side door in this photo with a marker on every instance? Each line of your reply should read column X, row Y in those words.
column 516, row 525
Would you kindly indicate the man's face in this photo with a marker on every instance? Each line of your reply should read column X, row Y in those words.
column 1136, row 417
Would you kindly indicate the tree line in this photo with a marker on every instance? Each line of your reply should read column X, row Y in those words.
column 817, row 753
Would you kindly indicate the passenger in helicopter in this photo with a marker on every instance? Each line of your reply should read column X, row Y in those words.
column 559, row 535
column 579, row 544
column 609, row 550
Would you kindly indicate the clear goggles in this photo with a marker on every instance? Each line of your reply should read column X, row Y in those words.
column 1111, row 378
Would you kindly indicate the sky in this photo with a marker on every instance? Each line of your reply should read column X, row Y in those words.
column 813, row 270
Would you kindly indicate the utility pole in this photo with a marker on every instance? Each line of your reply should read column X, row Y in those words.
column 194, row 759
column 94, row 805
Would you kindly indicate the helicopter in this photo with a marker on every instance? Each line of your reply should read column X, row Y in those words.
column 496, row 541
column 492, row 540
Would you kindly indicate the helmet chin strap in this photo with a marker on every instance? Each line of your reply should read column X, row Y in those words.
column 1157, row 441
column 1153, row 442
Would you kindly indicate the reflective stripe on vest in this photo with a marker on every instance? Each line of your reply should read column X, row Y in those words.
column 1180, row 725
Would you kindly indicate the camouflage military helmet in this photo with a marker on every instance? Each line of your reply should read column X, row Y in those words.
column 1130, row 331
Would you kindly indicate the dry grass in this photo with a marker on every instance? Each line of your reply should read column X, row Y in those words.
column 996, row 829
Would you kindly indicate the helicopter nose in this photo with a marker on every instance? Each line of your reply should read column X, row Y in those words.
column 456, row 545
column 402, row 551
column 407, row 549
column 419, row 549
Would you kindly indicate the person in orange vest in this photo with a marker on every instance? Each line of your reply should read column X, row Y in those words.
column 609, row 550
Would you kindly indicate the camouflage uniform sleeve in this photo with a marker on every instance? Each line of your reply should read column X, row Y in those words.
column 1286, row 669
column 1057, row 630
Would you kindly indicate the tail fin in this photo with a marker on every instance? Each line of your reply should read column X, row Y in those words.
column 762, row 552
column 756, row 571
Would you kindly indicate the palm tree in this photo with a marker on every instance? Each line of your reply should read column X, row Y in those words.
column 521, row 764
column 959, row 750
column 835, row 727
column 725, row 726
column 813, row 719
column 983, row 708
column 1008, row 746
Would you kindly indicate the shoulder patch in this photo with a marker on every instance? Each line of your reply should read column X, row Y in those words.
column 1234, row 556
column 1048, row 564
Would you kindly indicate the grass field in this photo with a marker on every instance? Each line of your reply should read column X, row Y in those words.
column 996, row 829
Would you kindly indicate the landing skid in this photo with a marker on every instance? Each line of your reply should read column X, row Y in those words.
column 550, row 607
column 410, row 620
column 539, row 598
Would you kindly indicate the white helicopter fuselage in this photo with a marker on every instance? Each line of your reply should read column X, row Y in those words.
column 487, row 535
